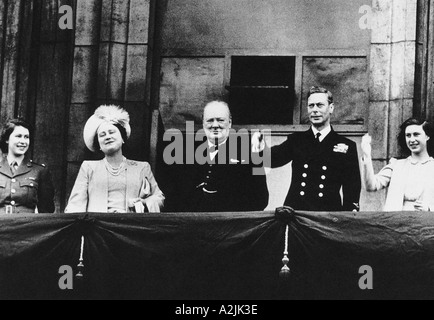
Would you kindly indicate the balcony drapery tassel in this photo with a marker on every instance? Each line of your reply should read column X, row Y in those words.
column 285, row 271
column 80, row 266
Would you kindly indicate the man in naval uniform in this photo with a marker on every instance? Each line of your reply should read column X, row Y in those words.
column 323, row 162
column 225, row 182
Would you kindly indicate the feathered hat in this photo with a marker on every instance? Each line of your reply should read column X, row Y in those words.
column 105, row 113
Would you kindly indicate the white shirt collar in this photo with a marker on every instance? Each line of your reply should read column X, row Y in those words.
column 413, row 161
column 324, row 132
column 210, row 145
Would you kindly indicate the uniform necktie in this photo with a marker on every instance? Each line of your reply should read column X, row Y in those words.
column 317, row 137
column 14, row 167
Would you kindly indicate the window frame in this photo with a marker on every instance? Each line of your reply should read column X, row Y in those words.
column 350, row 129
column 226, row 54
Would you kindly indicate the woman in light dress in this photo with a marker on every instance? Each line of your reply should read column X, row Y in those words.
column 113, row 184
column 410, row 181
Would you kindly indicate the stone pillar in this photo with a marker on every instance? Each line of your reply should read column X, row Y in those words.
column 392, row 72
column 109, row 67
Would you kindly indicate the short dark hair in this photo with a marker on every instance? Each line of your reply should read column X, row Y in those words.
column 9, row 127
column 427, row 128
column 316, row 89
column 121, row 129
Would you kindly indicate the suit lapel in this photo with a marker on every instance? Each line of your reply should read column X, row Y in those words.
column 222, row 156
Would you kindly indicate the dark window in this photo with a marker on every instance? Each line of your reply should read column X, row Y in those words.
column 262, row 89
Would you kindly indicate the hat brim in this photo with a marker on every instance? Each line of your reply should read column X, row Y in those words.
column 91, row 128
column 89, row 131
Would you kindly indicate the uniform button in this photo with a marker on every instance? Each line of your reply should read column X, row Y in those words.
column 14, row 180
column 324, row 168
column 321, row 186
column 13, row 190
column 304, row 175
column 321, row 195
column 302, row 193
column 31, row 184
column 306, row 166
column 13, row 202
column 303, row 184
column 207, row 177
column 323, row 177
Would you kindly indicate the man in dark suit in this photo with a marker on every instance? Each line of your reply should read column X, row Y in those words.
column 221, row 179
column 323, row 162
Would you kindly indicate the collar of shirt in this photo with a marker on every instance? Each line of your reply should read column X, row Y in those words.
column 210, row 145
column 17, row 161
column 324, row 132
column 413, row 161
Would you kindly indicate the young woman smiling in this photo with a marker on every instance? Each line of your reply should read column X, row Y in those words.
column 410, row 181
column 25, row 186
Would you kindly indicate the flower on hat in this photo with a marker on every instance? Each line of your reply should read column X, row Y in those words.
column 114, row 114
column 105, row 113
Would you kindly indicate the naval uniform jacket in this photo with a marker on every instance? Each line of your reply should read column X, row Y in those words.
column 31, row 186
column 319, row 171
column 224, row 184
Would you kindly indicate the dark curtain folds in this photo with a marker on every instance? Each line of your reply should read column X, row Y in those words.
column 214, row 256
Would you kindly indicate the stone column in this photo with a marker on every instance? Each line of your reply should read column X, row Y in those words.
column 392, row 72
column 110, row 67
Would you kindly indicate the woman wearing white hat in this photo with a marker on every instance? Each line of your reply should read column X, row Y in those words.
column 114, row 184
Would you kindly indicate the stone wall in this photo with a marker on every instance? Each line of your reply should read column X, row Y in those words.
column 392, row 73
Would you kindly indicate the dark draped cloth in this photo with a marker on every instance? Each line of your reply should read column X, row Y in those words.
column 236, row 255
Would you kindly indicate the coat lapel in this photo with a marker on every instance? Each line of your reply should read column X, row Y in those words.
column 311, row 145
column 328, row 143
column 25, row 167
column 133, row 173
column 4, row 168
column 102, row 188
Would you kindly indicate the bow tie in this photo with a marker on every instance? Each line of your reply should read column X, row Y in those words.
column 213, row 149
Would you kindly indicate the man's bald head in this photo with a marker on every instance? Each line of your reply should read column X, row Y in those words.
column 217, row 106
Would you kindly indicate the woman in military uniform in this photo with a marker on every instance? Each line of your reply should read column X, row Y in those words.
column 113, row 184
column 25, row 186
